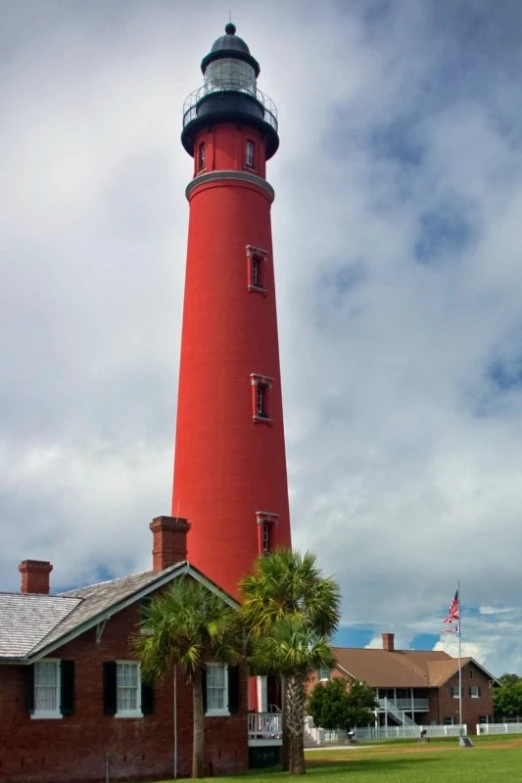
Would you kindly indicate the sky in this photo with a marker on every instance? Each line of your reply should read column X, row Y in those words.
column 399, row 283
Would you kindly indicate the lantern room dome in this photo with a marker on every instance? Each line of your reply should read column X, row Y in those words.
column 230, row 41
column 230, row 46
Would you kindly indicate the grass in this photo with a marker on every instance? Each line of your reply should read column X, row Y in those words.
column 491, row 758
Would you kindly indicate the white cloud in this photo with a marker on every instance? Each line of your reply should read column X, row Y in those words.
column 404, row 453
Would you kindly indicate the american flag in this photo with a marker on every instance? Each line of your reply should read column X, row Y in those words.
column 453, row 615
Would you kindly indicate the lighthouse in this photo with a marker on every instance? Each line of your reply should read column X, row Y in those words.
column 230, row 478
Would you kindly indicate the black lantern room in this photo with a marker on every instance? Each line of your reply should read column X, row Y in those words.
column 229, row 94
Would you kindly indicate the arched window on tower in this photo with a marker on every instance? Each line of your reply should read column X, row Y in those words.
column 250, row 155
column 202, row 152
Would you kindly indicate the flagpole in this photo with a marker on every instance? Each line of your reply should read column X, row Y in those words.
column 460, row 667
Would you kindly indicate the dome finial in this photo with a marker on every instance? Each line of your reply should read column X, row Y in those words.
column 230, row 28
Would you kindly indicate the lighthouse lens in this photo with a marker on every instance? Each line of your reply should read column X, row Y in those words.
column 230, row 74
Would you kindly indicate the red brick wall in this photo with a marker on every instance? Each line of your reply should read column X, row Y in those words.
column 472, row 709
column 77, row 747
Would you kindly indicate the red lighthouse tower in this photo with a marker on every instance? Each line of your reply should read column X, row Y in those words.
column 230, row 477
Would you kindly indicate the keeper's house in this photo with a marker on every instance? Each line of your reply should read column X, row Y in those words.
column 416, row 687
column 72, row 702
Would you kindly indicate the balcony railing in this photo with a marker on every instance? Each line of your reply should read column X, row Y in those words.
column 265, row 725
column 190, row 107
column 406, row 705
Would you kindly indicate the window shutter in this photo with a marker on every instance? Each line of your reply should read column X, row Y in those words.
column 30, row 688
column 204, row 687
column 67, row 687
column 147, row 699
column 233, row 689
column 479, row 689
column 109, row 687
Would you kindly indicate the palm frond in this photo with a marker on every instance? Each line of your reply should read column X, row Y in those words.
column 183, row 626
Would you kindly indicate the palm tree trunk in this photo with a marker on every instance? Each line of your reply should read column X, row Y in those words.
column 198, row 744
column 295, row 697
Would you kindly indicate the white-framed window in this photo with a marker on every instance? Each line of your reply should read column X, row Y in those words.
column 128, row 689
column 448, row 721
column 324, row 674
column 455, row 693
column 217, row 689
column 474, row 692
column 250, row 154
column 47, row 682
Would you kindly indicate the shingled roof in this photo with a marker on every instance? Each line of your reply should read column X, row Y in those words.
column 400, row 668
column 32, row 625
column 27, row 618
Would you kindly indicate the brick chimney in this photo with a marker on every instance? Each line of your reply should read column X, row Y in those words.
column 388, row 642
column 170, row 541
column 35, row 576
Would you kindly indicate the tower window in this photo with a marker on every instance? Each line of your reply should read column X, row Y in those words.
column 256, row 273
column 261, row 396
column 266, row 536
column 266, row 522
column 202, row 152
column 250, row 155
column 261, row 386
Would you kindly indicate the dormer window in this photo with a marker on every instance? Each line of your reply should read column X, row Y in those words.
column 261, row 388
column 250, row 155
column 202, row 152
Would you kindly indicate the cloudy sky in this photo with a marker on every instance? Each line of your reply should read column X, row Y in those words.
column 398, row 262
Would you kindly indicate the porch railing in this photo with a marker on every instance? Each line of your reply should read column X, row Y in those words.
column 265, row 725
column 406, row 705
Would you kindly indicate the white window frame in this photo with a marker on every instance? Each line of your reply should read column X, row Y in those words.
column 40, row 713
column 474, row 692
column 136, row 712
column 455, row 692
column 218, row 711
column 321, row 673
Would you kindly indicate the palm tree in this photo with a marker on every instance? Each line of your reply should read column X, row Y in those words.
column 294, row 651
column 183, row 626
column 286, row 586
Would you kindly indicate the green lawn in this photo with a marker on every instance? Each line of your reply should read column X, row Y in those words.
column 408, row 763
